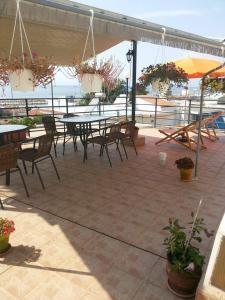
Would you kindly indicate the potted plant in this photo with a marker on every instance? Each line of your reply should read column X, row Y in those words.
column 26, row 72
column 185, row 165
column 6, row 228
column 93, row 75
column 184, row 259
column 162, row 77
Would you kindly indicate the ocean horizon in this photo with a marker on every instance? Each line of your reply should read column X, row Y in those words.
column 59, row 91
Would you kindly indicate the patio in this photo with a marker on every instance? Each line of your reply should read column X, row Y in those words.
column 98, row 233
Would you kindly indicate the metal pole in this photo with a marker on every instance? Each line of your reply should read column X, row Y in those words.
column 53, row 112
column 189, row 111
column 126, row 95
column 134, row 74
column 200, row 117
column 156, row 108
column 67, row 105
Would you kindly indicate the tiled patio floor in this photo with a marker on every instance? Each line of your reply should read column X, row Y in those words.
column 97, row 235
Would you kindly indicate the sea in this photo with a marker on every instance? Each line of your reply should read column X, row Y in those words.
column 59, row 91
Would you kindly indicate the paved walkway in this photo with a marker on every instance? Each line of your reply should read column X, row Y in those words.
column 97, row 235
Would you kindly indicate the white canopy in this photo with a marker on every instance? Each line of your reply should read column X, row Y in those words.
column 58, row 28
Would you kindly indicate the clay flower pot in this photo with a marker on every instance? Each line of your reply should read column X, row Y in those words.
column 4, row 243
column 182, row 284
column 185, row 174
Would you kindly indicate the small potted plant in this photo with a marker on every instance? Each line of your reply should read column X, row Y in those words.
column 162, row 77
column 25, row 73
column 185, row 165
column 6, row 228
column 93, row 75
column 184, row 259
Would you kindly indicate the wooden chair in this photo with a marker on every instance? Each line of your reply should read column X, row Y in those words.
column 8, row 163
column 110, row 136
column 50, row 128
column 36, row 155
column 182, row 136
column 128, row 135
column 209, row 126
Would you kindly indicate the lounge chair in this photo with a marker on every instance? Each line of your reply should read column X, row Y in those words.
column 209, row 126
column 182, row 136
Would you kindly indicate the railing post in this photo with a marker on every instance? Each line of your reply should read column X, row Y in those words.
column 189, row 111
column 53, row 110
column 67, row 106
column 156, row 105
column 27, row 108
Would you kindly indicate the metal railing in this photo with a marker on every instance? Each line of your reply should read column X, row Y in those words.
column 157, row 113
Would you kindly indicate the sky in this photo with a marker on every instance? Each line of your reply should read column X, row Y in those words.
column 203, row 17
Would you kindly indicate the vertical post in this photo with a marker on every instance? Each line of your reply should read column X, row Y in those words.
column 156, row 108
column 189, row 111
column 53, row 112
column 27, row 108
column 134, row 74
column 126, row 95
column 67, row 106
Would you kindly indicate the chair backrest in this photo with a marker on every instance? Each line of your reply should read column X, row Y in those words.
column 70, row 127
column 113, row 132
column 8, row 157
column 49, row 124
column 44, row 145
column 130, row 128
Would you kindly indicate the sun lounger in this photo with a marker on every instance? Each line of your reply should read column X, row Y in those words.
column 183, row 136
column 209, row 126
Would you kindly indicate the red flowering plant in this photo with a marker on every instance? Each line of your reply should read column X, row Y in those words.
column 6, row 227
column 42, row 68
column 109, row 70
column 168, row 72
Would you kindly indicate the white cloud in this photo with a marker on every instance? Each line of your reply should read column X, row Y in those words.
column 168, row 13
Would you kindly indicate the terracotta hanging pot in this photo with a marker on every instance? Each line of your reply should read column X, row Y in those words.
column 91, row 83
column 22, row 80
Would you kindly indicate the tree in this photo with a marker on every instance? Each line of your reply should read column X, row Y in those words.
column 120, row 88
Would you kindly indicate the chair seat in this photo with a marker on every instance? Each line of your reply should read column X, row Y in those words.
column 98, row 140
column 28, row 154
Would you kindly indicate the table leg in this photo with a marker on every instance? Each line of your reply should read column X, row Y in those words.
column 83, row 138
column 7, row 177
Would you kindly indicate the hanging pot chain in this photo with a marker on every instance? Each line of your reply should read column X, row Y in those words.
column 22, row 31
column 90, row 29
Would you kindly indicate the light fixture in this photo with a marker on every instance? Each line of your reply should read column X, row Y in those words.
column 129, row 55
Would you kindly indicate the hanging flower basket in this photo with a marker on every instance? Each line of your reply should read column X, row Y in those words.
column 93, row 76
column 91, row 83
column 22, row 80
column 160, row 87
column 162, row 77
column 25, row 73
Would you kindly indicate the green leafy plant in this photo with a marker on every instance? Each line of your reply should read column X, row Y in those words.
column 215, row 85
column 167, row 72
column 181, row 251
column 184, row 163
column 27, row 121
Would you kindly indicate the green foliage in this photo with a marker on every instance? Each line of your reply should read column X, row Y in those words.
column 215, row 85
column 120, row 88
column 180, row 251
column 27, row 121
column 168, row 72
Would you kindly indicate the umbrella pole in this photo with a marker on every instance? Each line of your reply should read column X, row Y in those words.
column 200, row 118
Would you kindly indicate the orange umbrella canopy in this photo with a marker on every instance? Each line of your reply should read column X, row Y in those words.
column 197, row 67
